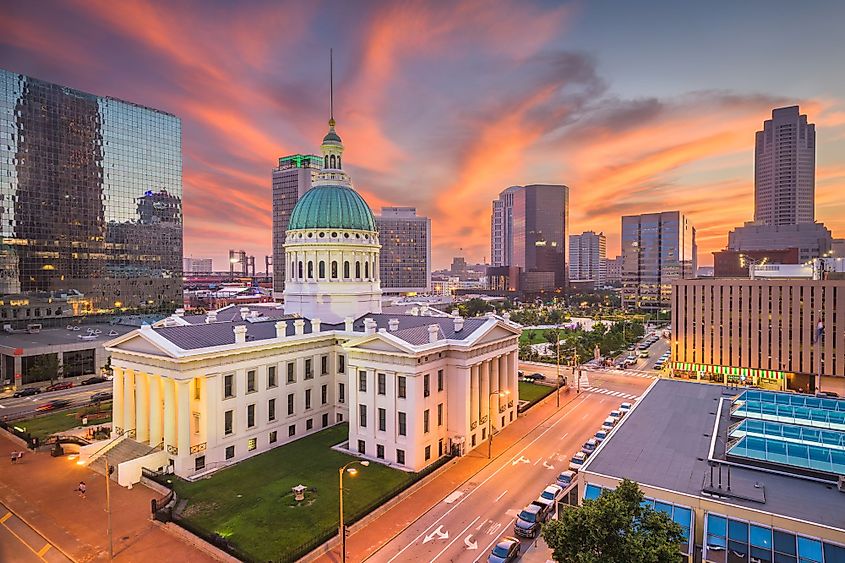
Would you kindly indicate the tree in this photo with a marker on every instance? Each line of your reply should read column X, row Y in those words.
column 614, row 528
column 474, row 307
column 45, row 367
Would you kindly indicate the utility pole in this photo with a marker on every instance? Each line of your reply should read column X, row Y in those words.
column 108, row 507
column 557, row 362
column 575, row 367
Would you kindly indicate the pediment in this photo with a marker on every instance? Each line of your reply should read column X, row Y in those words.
column 138, row 343
column 498, row 332
column 377, row 344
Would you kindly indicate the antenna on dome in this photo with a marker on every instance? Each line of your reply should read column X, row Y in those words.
column 331, row 87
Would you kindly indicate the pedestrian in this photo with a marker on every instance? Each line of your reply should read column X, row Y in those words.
column 14, row 457
column 81, row 489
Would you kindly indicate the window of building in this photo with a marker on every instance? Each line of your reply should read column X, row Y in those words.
column 403, row 426
column 228, row 422
column 273, row 437
column 307, row 399
column 346, row 269
column 440, row 414
column 379, row 451
column 382, row 420
column 199, row 463
column 309, row 424
column 271, row 410
column 426, row 386
column 362, row 416
column 310, row 270
column 309, row 372
column 427, row 453
column 341, row 392
column 292, row 430
column 230, row 452
column 250, row 381
column 271, row 377
column 426, row 417
column 440, row 380
column 472, row 442
column 252, row 444
column 382, row 384
column 362, row 447
column 325, row 419
column 290, row 403
column 334, row 269
column 324, row 394
column 324, row 365
column 362, row 381
column 228, row 385
column 291, row 372
column 401, row 386
column 250, row 416
column 400, row 457
column 341, row 364
column 196, row 416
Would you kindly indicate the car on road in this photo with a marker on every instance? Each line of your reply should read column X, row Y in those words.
column 644, row 353
column 565, row 479
column 537, row 376
column 551, row 493
column 625, row 407
column 616, row 413
column 59, row 385
column 27, row 392
column 101, row 396
column 53, row 405
column 93, row 380
column 506, row 550
column 590, row 446
column 530, row 519
column 632, row 347
column 601, row 435
column 827, row 395
column 608, row 423
column 577, row 461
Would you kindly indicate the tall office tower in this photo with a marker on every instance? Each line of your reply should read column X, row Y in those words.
column 657, row 248
column 405, row 258
column 588, row 257
column 291, row 180
column 197, row 265
column 785, row 169
column 613, row 275
column 529, row 230
column 90, row 204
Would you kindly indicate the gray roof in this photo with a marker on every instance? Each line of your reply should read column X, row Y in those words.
column 61, row 337
column 665, row 441
column 233, row 313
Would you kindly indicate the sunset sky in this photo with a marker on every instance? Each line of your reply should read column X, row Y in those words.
column 637, row 106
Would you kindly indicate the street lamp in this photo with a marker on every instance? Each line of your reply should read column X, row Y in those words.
column 352, row 473
column 490, row 419
column 557, row 362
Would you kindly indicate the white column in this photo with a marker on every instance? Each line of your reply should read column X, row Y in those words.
column 117, row 401
column 484, row 372
column 156, row 427
column 473, row 394
column 183, row 411
column 496, row 385
column 513, row 385
column 142, row 408
column 169, row 390
column 128, row 400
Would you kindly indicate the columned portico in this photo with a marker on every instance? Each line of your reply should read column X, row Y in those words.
column 169, row 389
column 484, row 370
column 156, row 414
column 142, row 407
column 474, row 391
column 128, row 401
column 117, row 401
column 183, row 420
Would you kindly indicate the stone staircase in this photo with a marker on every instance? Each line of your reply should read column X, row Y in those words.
column 126, row 450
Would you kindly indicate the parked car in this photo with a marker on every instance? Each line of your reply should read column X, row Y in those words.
column 59, row 385
column 27, row 392
column 590, row 446
column 530, row 519
column 625, row 407
column 608, row 423
column 827, row 395
column 536, row 376
column 577, row 461
column 565, row 479
column 101, row 396
column 601, row 435
column 632, row 347
column 505, row 551
column 53, row 405
column 616, row 413
column 552, row 493
column 93, row 380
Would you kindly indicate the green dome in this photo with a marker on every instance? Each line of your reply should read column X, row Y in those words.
column 332, row 207
column 331, row 136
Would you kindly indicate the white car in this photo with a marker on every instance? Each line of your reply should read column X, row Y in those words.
column 617, row 414
column 608, row 423
column 551, row 493
column 565, row 479
column 625, row 407
column 577, row 461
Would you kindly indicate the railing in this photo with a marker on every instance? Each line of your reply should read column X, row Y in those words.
column 473, row 425
column 172, row 450
column 199, row 448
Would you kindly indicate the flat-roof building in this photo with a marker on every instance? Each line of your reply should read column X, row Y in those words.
column 405, row 259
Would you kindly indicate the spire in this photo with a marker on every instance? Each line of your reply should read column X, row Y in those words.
column 331, row 88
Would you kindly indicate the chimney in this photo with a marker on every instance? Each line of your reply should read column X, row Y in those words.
column 315, row 325
column 433, row 333
column 244, row 313
column 281, row 329
column 393, row 325
column 369, row 326
column 211, row 317
column 347, row 324
column 240, row 334
column 179, row 312
column 299, row 326
column 459, row 324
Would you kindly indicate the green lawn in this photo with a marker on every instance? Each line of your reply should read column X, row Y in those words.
column 251, row 503
column 47, row 424
column 532, row 336
column 532, row 392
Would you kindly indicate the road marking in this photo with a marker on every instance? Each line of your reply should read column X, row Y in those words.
column 482, row 525
column 2, row 407
column 439, row 533
column 565, row 434
column 470, row 544
column 580, row 400
column 498, row 498
column 547, row 466
column 522, row 459
column 538, row 461
column 453, row 497
column 495, row 527
column 44, row 550
column 489, row 545
column 459, row 535
column 5, row 517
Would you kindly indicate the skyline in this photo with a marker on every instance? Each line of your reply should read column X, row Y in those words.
column 574, row 103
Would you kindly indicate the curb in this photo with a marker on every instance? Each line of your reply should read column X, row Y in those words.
column 16, row 439
column 197, row 542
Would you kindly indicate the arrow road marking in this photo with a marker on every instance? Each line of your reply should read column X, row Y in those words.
column 547, row 466
column 498, row 498
column 439, row 533
column 460, row 534
column 470, row 544
column 522, row 459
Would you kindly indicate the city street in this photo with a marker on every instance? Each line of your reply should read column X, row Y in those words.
column 19, row 407
column 465, row 524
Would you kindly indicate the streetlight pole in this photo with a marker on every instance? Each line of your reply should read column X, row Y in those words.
column 490, row 420
column 575, row 367
column 108, row 508
column 557, row 362
column 341, row 530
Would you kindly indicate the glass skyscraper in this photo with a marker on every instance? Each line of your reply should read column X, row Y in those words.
column 90, row 204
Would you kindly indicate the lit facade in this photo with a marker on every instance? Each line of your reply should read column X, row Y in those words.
column 405, row 256
column 588, row 257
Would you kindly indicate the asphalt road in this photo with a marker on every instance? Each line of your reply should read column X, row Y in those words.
column 15, row 407
column 466, row 524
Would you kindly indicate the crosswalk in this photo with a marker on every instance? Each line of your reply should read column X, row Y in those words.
column 630, row 373
column 611, row 393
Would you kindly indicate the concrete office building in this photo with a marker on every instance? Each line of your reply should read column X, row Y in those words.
column 657, row 249
column 588, row 257
column 291, row 179
column 735, row 264
column 90, row 204
column 759, row 331
column 501, row 224
column 197, row 265
column 613, row 275
column 405, row 259
column 811, row 239
column 743, row 483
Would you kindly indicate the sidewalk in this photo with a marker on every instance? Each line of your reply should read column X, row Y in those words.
column 40, row 490
column 364, row 543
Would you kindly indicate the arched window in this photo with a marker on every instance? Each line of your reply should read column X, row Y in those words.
column 334, row 269
column 310, row 270
column 357, row 269
column 338, row 162
column 326, row 163
column 292, row 271
column 322, row 269
column 300, row 270
column 333, row 161
column 346, row 269
column 367, row 270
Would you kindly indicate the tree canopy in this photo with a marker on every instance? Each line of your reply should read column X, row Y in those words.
column 614, row 528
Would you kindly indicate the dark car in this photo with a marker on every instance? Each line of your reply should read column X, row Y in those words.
column 53, row 405
column 27, row 392
column 827, row 395
column 536, row 376
column 93, row 380
column 529, row 521
column 101, row 396
column 507, row 549
column 59, row 385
